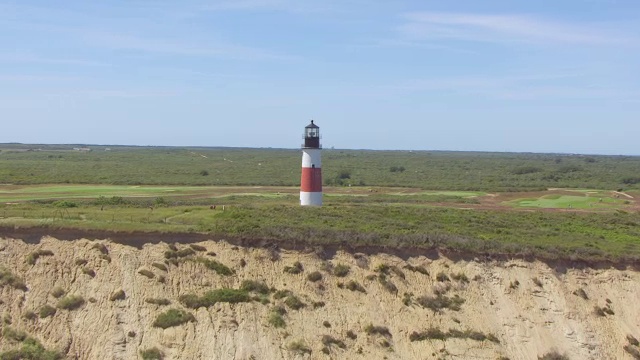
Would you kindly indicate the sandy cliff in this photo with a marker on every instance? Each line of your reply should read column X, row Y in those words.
column 513, row 309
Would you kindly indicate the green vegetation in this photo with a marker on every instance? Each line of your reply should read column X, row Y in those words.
column 46, row 311
column 147, row 273
column 160, row 266
column 70, row 302
column 157, row 301
column 57, row 292
column 296, row 268
column 435, row 333
column 33, row 256
column 255, row 286
column 152, row 354
column 423, row 169
column 299, row 347
column 13, row 335
column 212, row 297
column 101, row 247
column 553, row 355
column 118, row 295
column 537, row 281
column 7, row 278
column 31, row 349
column 341, row 270
column 314, row 276
column 197, row 247
column 280, row 294
column 407, row 215
column 276, row 320
column 632, row 347
column 439, row 302
column 88, row 271
column 462, row 277
column 581, row 293
column 216, row 266
column 355, row 286
column 173, row 317
column 328, row 340
column 377, row 330
column 293, row 302
column 30, row 315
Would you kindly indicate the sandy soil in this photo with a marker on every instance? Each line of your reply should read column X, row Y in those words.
column 528, row 319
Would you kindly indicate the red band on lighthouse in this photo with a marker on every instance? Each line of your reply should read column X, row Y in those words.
column 311, row 180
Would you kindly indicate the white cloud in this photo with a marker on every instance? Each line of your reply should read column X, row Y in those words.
column 508, row 28
column 37, row 59
column 178, row 47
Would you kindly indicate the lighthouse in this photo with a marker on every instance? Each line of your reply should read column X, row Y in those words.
column 311, row 182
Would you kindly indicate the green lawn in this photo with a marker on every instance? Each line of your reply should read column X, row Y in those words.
column 590, row 199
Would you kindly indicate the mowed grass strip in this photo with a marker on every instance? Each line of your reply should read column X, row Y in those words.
column 570, row 202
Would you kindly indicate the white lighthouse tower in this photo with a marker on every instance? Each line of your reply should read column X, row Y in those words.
column 311, row 182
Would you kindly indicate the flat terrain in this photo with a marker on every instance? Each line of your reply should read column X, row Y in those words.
column 428, row 170
column 543, row 205
column 582, row 224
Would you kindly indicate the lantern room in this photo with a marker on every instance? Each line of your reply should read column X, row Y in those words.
column 312, row 136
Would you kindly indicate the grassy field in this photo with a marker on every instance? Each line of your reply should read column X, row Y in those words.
column 428, row 170
column 384, row 217
column 460, row 201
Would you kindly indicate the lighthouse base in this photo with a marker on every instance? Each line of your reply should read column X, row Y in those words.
column 310, row 198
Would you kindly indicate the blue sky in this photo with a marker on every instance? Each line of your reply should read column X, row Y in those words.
column 491, row 75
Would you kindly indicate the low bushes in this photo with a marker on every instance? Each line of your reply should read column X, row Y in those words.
column 296, row 268
column 439, row 302
column 160, row 266
column 462, row 277
column 328, row 340
column 118, row 295
column 314, row 276
column 215, row 296
column 173, row 317
column 7, row 278
column 147, row 273
column 553, row 355
column 216, row 266
column 420, row 269
column 88, row 271
column 101, row 247
column 157, row 301
column 276, row 320
column 255, row 286
column 197, row 247
column 355, row 286
column 435, row 333
column 299, row 347
column 377, row 330
column 33, row 256
column 46, row 311
column 31, row 349
column 152, row 354
column 294, row 303
column 341, row 270
column 71, row 302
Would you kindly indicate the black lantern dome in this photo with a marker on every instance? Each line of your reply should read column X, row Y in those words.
column 312, row 136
